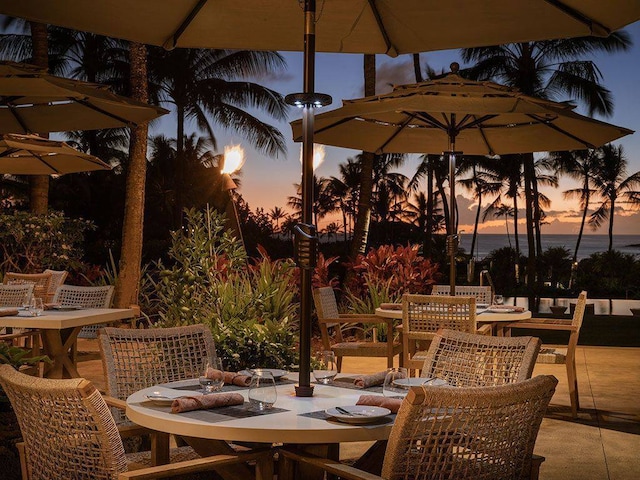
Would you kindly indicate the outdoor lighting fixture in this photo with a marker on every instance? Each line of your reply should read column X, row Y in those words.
column 318, row 155
column 305, row 246
column 233, row 160
column 312, row 99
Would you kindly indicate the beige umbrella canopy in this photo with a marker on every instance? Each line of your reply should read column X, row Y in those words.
column 32, row 101
column 32, row 155
column 455, row 115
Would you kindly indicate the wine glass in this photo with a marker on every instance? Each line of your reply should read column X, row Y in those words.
column 326, row 369
column 262, row 390
column 26, row 304
column 37, row 307
column 498, row 299
column 212, row 378
column 393, row 385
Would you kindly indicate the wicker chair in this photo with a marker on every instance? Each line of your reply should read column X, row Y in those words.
column 68, row 432
column 481, row 294
column 16, row 296
column 462, row 433
column 472, row 360
column 40, row 282
column 87, row 297
column 424, row 315
column 560, row 355
column 57, row 278
column 328, row 317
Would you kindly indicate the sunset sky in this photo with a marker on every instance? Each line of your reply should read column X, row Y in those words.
column 267, row 182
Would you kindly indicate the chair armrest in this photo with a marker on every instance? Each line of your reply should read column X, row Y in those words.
column 133, row 430
column 115, row 402
column 264, row 466
column 484, row 329
column 330, row 466
column 544, row 324
column 352, row 318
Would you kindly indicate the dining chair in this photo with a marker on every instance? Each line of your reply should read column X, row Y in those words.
column 482, row 294
column 86, row 297
column 471, row 360
column 424, row 315
column 16, row 295
column 57, row 278
column 68, row 432
column 329, row 318
column 462, row 433
column 566, row 355
column 40, row 282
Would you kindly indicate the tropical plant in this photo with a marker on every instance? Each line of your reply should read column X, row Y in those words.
column 608, row 274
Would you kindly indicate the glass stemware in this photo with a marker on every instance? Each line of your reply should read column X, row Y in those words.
column 212, row 379
column 326, row 369
column 393, row 385
column 37, row 307
column 262, row 390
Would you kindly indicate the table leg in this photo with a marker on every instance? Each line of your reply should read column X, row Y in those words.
column 371, row 461
column 287, row 470
column 159, row 448
column 57, row 345
column 206, row 448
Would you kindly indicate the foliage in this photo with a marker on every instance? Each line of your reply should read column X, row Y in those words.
column 249, row 307
column 556, row 266
column 18, row 357
column 32, row 243
column 502, row 264
column 608, row 274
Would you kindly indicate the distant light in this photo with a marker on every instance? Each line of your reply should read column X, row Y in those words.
column 318, row 155
column 233, row 159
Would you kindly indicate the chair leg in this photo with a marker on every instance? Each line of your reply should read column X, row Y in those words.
column 573, row 386
column 339, row 363
column 536, row 461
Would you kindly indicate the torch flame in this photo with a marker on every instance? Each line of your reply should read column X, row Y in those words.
column 233, row 159
column 318, row 155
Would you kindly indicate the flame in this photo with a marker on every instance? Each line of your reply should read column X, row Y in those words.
column 318, row 155
column 233, row 159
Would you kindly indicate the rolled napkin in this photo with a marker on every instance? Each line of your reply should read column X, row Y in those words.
column 391, row 306
column 51, row 306
column 8, row 313
column 509, row 308
column 392, row 404
column 229, row 378
column 203, row 402
column 366, row 381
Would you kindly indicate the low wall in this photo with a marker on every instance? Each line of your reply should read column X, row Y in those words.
column 600, row 306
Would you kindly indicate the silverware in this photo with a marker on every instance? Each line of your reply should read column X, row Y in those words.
column 351, row 414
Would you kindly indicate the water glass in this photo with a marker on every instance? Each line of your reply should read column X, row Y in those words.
column 393, row 383
column 326, row 369
column 262, row 390
column 212, row 378
column 498, row 299
column 26, row 304
column 37, row 307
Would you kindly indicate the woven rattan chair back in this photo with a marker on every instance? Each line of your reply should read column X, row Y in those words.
column 40, row 282
column 134, row 359
column 15, row 295
column 472, row 360
column 481, row 294
column 87, row 297
column 324, row 299
column 57, row 278
column 468, row 432
column 66, row 426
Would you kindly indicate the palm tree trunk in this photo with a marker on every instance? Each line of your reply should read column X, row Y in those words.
column 180, row 169
column 428, row 237
column 128, row 282
column 477, row 221
column 416, row 68
column 584, row 219
column 39, row 184
column 361, row 230
column 529, row 173
column 611, row 215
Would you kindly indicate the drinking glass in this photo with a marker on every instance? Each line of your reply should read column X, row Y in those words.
column 326, row 369
column 37, row 307
column 212, row 379
column 498, row 299
column 26, row 304
column 262, row 390
column 392, row 389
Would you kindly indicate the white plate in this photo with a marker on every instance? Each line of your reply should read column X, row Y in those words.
column 358, row 413
column 277, row 373
column 164, row 396
column 414, row 382
column 500, row 310
column 64, row 308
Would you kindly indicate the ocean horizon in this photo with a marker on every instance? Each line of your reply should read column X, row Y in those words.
column 487, row 242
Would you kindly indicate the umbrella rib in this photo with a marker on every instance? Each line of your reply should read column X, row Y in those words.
column 39, row 157
column 383, row 30
column 183, row 26
column 402, row 126
column 95, row 108
column 562, row 131
column 18, row 118
column 327, row 127
column 596, row 28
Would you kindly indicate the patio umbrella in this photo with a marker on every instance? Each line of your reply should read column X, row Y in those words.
column 32, row 155
column 365, row 26
column 32, row 101
column 454, row 115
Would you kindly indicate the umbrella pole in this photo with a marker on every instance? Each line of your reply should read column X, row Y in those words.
column 452, row 240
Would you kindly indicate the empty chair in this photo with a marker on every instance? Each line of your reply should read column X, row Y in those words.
column 565, row 355
column 424, row 315
column 461, row 433
column 86, row 297
column 328, row 317
column 57, row 278
column 481, row 294
column 472, row 360
column 40, row 282
column 15, row 295
column 68, row 432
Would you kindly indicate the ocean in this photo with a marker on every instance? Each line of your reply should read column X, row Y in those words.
column 485, row 243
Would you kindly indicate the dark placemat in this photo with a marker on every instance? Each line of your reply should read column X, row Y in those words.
column 221, row 414
column 323, row 415
column 347, row 382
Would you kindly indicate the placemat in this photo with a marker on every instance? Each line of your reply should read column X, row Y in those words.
column 322, row 415
column 347, row 382
column 221, row 414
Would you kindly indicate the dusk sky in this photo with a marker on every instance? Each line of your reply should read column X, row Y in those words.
column 267, row 182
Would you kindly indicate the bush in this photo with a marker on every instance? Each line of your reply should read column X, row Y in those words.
column 608, row 274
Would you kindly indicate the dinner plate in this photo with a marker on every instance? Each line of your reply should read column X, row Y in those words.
column 358, row 413
column 500, row 310
column 415, row 382
column 67, row 308
column 277, row 373
column 164, row 396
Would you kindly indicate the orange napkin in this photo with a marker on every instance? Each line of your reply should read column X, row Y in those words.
column 366, row 381
column 392, row 404
column 50, row 306
column 230, row 378
column 391, row 306
column 203, row 402
column 8, row 313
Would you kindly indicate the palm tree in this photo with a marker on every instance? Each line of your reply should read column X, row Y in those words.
column 547, row 69
column 345, row 190
column 612, row 184
column 323, row 203
column 211, row 87
column 277, row 214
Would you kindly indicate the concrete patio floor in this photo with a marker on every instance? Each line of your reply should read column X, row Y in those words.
column 603, row 443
